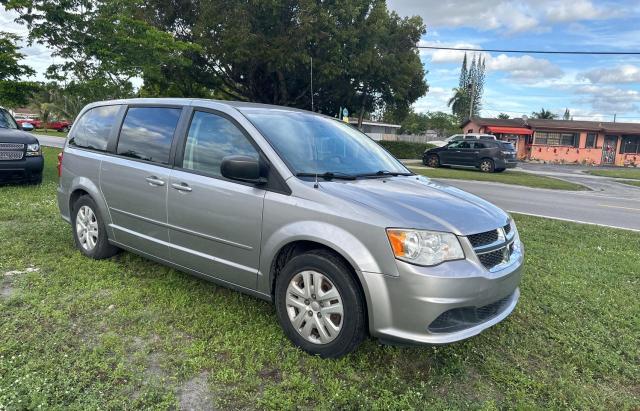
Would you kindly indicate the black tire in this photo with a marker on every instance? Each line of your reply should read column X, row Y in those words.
column 353, row 323
column 433, row 161
column 486, row 165
column 64, row 129
column 103, row 249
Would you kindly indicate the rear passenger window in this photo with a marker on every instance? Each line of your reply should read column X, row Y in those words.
column 94, row 128
column 147, row 133
column 211, row 138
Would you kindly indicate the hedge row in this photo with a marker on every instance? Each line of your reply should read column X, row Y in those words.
column 405, row 150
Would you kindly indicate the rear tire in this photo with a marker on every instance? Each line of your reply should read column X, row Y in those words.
column 486, row 165
column 332, row 290
column 433, row 161
column 89, row 232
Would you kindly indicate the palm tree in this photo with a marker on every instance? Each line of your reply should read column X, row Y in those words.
column 503, row 116
column 543, row 114
column 459, row 103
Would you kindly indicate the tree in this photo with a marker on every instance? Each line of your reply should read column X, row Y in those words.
column 99, row 40
column 567, row 115
column 364, row 57
column 470, row 89
column 543, row 114
column 504, row 116
column 13, row 91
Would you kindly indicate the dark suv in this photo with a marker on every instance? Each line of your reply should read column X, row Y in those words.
column 20, row 153
column 486, row 155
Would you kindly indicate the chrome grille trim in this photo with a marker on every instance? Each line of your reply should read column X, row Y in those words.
column 495, row 255
column 11, row 155
column 11, row 146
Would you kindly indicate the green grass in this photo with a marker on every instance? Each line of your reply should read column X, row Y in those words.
column 126, row 333
column 506, row 177
column 632, row 173
column 52, row 133
column 631, row 183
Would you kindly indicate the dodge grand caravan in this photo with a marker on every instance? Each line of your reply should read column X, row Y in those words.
column 295, row 208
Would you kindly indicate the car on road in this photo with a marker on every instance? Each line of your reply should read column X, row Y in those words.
column 460, row 137
column 20, row 153
column 57, row 125
column 293, row 207
column 486, row 155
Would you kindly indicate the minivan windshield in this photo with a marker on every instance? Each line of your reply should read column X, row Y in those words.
column 311, row 144
column 6, row 121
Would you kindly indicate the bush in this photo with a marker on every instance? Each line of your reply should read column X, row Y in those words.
column 403, row 149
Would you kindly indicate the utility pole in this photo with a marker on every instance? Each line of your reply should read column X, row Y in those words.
column 311, row 83
column 473, row 87
column 614, row 117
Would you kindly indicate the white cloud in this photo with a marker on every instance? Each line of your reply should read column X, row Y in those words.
column 512, row 16
column 524, row 68
column 626, row 73
column 608, row 99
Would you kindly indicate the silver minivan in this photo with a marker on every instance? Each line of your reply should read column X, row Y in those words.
column 293, row 207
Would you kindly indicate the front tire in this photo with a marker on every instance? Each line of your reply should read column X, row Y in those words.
column 486, row 165
column 433, row 161
column 319, row 304
column 89, row 233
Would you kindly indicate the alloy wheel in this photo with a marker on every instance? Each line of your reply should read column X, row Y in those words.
column 314, row 307
column 87, row 228
column 485, row 166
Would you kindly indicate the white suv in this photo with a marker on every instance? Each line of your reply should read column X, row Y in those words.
column 459, row 137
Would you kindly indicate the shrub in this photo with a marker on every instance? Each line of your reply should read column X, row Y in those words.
column 403, row 149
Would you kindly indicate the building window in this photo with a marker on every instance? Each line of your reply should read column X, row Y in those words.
column 630, row 145
column 556, row 139
column 591, row 140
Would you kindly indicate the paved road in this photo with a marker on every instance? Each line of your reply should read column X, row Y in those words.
column 50, row 141
column 594, row 207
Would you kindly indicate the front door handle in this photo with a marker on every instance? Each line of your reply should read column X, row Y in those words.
column 154, row 181
column 181, row 187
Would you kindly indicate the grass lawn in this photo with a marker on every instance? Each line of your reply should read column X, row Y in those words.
column 633, row 173
column 52, row 133
column 127, row 333
column 631, row 183
column 514, row 177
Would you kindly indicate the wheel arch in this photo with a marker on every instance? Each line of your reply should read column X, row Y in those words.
column 83, row 186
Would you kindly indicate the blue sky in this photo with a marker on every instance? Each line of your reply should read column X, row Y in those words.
column 592, row 87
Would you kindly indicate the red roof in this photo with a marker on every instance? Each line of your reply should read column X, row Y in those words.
column 509, row 130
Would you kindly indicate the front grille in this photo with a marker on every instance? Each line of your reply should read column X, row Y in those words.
column 11, row 146
column 490, row 260
column 461, row 318
column 481, row 239
column 11, row 155
column 507, row 229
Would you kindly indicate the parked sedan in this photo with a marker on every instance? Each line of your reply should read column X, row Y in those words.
column 486, row 155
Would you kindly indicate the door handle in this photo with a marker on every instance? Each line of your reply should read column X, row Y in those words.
column 181, row 187
column 154, row 181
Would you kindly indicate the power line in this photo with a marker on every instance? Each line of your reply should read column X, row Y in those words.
column 621, row 53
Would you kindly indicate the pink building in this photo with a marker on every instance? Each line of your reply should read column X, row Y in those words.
column 566, row 141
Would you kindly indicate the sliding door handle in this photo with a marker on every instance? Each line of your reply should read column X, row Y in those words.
column 154, row 181
column 181, row 187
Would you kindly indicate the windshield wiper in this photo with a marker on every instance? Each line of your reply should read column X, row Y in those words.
column 329, row 175
column 384, row 173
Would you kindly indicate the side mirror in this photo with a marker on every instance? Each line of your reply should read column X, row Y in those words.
column 242, row 168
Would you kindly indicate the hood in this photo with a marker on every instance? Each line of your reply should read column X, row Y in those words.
column 11, row 135
column 417, row 202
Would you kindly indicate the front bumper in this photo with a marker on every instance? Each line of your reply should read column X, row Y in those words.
column 26, row 169
column 414, row 306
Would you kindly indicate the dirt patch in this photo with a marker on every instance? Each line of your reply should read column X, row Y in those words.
column 195, row 395
column 6, row 287
column 18, row 272
column 6, row 290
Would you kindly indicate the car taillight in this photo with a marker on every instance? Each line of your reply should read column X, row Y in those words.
column 60, row 164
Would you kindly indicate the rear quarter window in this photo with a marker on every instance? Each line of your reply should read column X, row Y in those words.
column 93, row 129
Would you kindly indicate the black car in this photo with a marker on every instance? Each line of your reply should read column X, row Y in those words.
column 20, row 153
column 486, row 155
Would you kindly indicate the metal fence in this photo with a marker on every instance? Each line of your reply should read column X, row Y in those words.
column 424, row 138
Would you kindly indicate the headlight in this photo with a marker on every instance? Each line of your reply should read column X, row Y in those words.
column 33, row 149
column 424, row 247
